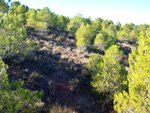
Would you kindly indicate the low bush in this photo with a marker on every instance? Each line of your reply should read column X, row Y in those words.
column 137, row 99
column 108, row 75
column 14, row 97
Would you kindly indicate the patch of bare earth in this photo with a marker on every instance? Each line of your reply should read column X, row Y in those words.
column 58, row 64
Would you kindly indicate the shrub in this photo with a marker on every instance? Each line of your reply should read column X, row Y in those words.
column 42, row 27
column 84, row 35
column 137, row 99
column 93, row 63
column 13, row 37
column 62, row 22
column 3, row 74
column 74, row 24
column 46, row 16
column 142, row 28
column 13, row 97
column 31, row 18
column 96, row 25
column 3, row 7
column 133, row 36
column 105, row 24
column 51, row 87
column 103, row 41
column 111, row 31
column 111, row 73
column 74, row 85
column 122, row 35
column 59, row 109
column 81, row 44
column 100, row 42
column 34, row 79
column 108, row 74
column 128, row 34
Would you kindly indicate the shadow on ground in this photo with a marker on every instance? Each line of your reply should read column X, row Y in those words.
column 57, row 70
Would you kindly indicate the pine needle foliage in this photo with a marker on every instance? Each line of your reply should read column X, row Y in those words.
column 137, row 100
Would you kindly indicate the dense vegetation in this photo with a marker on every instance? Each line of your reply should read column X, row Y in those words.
column 108, row 75
column 129, row 91
column 137, row 98
column 14, row 97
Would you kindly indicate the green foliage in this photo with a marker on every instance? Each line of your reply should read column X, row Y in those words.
column 133, row 36
column 137, row 99
column 96, row 25
column 85, row 32
column 74, row 24
column 41, row 20
column 87, row 20
column 142, row 28
column 111, row 73
column 100, row 42
column 107, row 37
column 3, row 74
column 46, row 16
column 111, row 31
column 105, row 24
column 3, row 6
column 110, row 22
column 13, row 37
column 129, row 27
column 14, row 98
column 118, row 26
column 103, row 41
column 22, row 9
column 122, row 35
column 81, row 44
column 19, row 10
column 41, row 26
column 15, row 4
column 62, row 22
column 43, row 15
column 93, row 63
column 128, row 33
column 84, row 35
column 31, row 18
column 108, row 75
column 114, row 52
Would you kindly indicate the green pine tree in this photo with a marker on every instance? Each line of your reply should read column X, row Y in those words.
column 137, row 100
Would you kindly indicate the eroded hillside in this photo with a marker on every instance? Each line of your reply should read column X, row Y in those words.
column 57, row 69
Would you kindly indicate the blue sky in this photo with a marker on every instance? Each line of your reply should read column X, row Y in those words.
column 124, row 11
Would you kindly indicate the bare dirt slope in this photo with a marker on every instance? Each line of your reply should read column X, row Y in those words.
column 57, row 70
